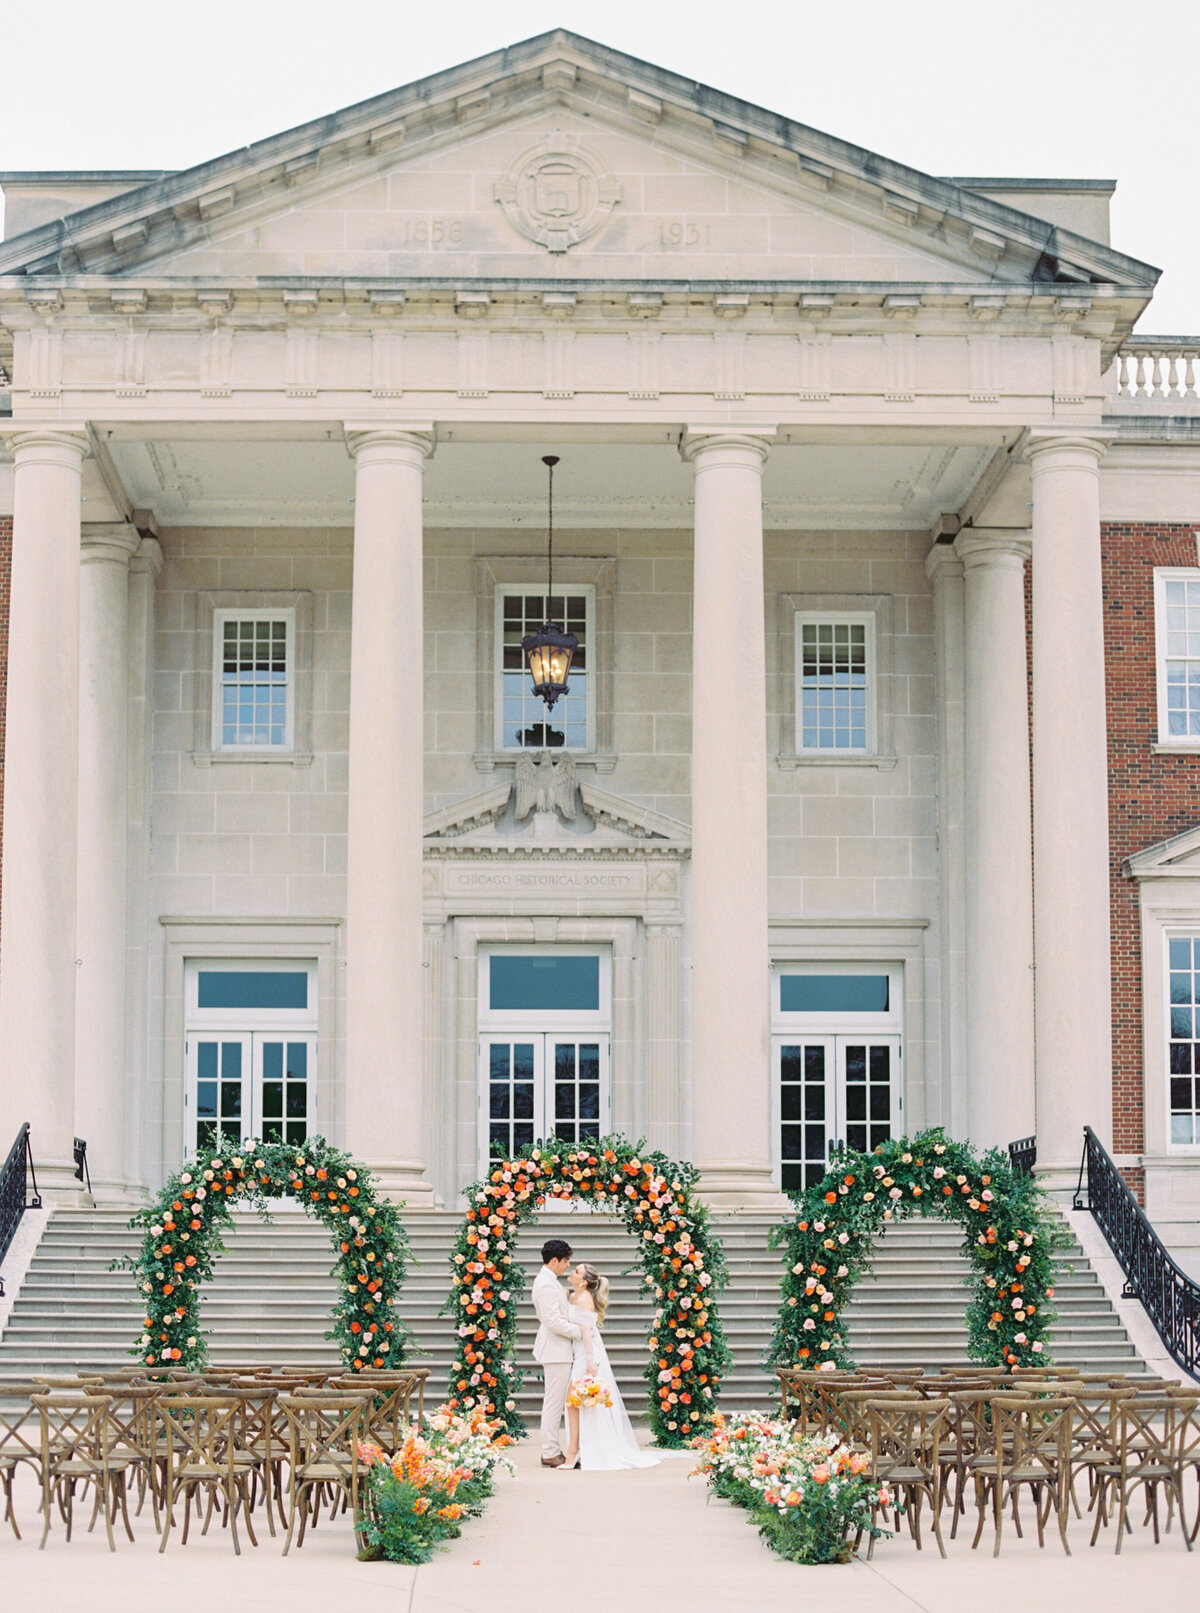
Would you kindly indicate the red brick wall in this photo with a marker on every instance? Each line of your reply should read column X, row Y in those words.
column 1150, row 797
column 5, row 591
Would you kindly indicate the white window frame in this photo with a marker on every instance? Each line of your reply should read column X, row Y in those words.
column 838, row 618
column 588, row 591
column 1171, row 932
column 222, row 615
column 834, row 1031
column 1187, row 743
column 531, row 1020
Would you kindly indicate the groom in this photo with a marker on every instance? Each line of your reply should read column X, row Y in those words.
column 552, row 1348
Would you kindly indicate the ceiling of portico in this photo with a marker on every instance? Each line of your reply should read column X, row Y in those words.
column 198, row 481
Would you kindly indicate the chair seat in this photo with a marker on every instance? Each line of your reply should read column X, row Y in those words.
column 322, row 1470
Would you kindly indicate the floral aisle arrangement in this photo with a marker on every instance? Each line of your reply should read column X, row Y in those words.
column 587, row 1391
column 1009, row 1238
column 809, row 1497
column 415, row 1498
column 682, row 1263
column 183, row 1235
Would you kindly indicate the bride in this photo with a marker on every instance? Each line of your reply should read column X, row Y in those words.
column 600, row 1437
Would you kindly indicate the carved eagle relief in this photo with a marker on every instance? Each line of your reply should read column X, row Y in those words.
column 543, row 782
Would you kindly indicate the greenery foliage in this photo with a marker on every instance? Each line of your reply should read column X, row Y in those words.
column 183, row 1235
column 1009, row 1238
column 682, row 1261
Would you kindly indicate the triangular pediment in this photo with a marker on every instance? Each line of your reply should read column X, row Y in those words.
column 581, row 819
column 1176, row 858
column 559, row 157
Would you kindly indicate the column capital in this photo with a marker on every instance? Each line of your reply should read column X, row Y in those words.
column 148, row 557
column 411, row 444
column 941, row 562
column 53, row 445
column 993, row 546
column 113, row 541
column 721, row 445
column 1084, row 449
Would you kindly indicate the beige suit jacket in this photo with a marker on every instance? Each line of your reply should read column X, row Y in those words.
column 556, row 1333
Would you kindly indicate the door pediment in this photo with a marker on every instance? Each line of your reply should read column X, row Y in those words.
column 1176, row 858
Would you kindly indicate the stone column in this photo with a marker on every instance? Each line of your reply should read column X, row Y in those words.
column 663, row 1022
column 143, row 1100
column 999, row 857
column 731, row 1053
column 100, row 904
column 1073, row 1025
column 944, row 569
column 37, row 920
column 385, row 1088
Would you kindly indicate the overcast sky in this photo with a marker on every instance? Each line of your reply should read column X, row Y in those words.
column 1079, row 88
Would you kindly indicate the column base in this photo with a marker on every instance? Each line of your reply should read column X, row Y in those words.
column 403, row 1181
column 1060, row 1181
column 58, row 1185
column 740, row 1187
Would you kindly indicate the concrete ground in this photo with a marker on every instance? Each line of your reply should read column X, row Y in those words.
column 586, row 1541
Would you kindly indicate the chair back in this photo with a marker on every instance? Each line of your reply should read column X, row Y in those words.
column 904, row 1437
column 324, row 1431
column 74, row 1430
column 197, row 1435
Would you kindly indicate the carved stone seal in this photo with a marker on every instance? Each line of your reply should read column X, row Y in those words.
column 557, row 193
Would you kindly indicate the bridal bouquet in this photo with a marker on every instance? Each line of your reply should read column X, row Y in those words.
column 414, row 1498
column 808, row 1494
column 588, row 1391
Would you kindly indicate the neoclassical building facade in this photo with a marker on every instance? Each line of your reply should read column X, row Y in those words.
column 289, row 844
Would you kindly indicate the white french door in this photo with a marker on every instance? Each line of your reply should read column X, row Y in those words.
column 831, row 1090
column 241, row 1084
column 540, row 1084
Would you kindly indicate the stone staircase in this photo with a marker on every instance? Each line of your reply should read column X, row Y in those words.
column 269, row 1300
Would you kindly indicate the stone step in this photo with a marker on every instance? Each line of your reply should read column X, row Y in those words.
column 269, row 1299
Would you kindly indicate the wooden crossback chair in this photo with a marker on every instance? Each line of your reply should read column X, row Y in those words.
column 1151, row 1434
column 77, row 1448
column 389, row 1413
column 904, row 1439
column 1031, row 1448
column 20, row 1441
column 324, row 1430
column 199, row 1452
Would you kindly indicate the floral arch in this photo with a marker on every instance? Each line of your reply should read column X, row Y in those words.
column 681, row 1259
column 1008, row 1237
column 183, row 1230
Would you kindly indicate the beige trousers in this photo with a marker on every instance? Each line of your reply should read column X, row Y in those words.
column 557, row 1379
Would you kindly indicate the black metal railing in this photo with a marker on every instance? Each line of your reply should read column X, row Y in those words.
column 1170, row 1298
column 18, row 1190
column 1022, row 1155
column 82, row 1174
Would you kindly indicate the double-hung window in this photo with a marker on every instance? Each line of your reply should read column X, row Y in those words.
column 1177, row 642
column 253, row 680
column 1183, row 1049
column 522, row 721
column 836, row 685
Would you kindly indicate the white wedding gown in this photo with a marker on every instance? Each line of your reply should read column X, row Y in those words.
column 606, row 1441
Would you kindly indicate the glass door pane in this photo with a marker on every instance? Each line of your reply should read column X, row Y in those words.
column 579, row 1102
column 285, row 1082
column 806, row 1111
column 511, row 1104
column 870, row 1081
column 218, row 1097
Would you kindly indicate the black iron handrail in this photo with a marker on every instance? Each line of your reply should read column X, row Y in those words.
column 1170, row 1298
column 1022, row 1155
column 16, row 1175
column 81, row 1165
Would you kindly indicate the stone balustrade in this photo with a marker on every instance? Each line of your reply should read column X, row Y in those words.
column 1158, row 371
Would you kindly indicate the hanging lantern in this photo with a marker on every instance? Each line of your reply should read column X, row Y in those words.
column 548, row 652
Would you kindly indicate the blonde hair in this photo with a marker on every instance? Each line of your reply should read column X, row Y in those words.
column 597, row 1287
